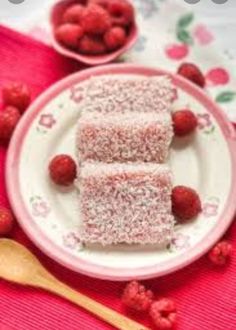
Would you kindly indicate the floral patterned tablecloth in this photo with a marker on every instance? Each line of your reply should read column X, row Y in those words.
column 170, row 34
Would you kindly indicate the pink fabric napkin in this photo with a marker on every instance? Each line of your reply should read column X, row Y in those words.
column 204, row 294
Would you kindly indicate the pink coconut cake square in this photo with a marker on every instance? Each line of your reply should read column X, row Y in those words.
column 143, row 137
column 125, row 203
column 122, row 93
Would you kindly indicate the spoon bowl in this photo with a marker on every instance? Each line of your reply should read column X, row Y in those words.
column 19, row 265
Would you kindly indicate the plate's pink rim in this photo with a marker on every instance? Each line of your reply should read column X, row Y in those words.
column 75, row 263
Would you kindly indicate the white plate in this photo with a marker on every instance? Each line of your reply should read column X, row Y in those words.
column 49, row 215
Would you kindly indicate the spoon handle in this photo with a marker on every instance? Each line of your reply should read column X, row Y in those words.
column 106, row 314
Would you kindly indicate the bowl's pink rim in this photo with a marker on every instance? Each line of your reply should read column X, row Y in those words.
column 86, row 59
column 76, row 263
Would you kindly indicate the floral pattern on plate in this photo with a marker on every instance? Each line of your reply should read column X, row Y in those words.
column 40, row 208
column 71, row 241
column 205, row 123
column 211, row 207
column 46, row 122
column 76, row 93
column 179, row 242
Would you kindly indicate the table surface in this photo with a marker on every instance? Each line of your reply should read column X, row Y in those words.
column 220, row 18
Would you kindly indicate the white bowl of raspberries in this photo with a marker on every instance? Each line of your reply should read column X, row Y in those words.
column 93, row 31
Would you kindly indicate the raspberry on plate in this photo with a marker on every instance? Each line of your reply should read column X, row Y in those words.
column 220, row 253
column 73, row 14
column 16, row 94
column 184, row 121
column 6, row 221
column 62, row 170
column 91, row 45
column 163, row 313
column 122, row 12
column 186, row 203
column 69, row 34
column 191, row 72
column 96, row 20
column 115, row 38
column 8, row 121
column 136, row 296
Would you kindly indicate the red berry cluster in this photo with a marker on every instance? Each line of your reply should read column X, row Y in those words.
column 62, row 170
column 184, row 122
column 221, row 253
column 16, row 98
column 163, row 311
column 96, row 27
column 191, row 72
column 164, row 314
column 186, row 203
column 6, row 221
column 136, row 296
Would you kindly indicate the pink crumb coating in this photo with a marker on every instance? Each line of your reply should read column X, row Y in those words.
column 125, row 203
column 143, row 137
column 124, row 93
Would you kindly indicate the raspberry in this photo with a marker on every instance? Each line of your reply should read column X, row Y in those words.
column 220, row 253
column 96, row 20
column 115, row 38
column 8, row 121
column 184, row 121
column 91, row 45
column 192, row 72
column 6, row 221
column 16, row 94
column 62, row 170
column 73, row 14
column 136, row 296
column 122, row 12
column 186, row 203
column 163, row 313
column 101, row 3
column 69, row 34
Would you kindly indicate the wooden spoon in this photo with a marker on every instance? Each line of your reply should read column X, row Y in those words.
column 19, row 265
